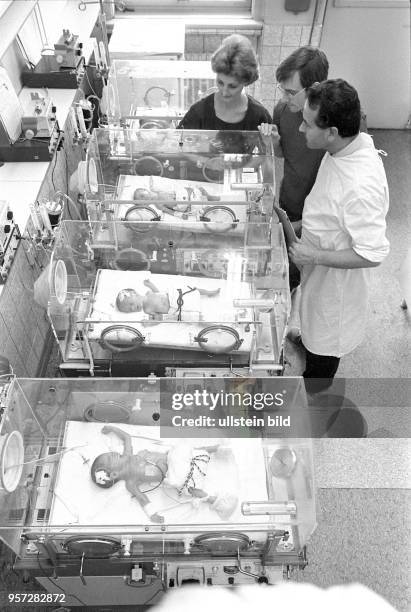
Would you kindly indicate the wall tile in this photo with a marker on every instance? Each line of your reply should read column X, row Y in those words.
column 272, row 34
column 286, row 51
column 305, row 36
column 194, row 43
column 267, row 73
column 212, row 42
column 291, row 35
column 268, row 92
column 270, row 55
column 316, row 36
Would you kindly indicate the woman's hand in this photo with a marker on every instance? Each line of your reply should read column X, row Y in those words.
column 269, row 130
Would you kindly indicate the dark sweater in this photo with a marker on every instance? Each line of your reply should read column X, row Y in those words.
column 300, row 163
column 201, row 116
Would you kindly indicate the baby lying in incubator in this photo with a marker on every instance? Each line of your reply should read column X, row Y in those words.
column 182, row 468
column 161, row 198
column 156, row 303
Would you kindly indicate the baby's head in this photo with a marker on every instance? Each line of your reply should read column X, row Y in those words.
column 104, row 471
column 128, row 300
column 143, row 194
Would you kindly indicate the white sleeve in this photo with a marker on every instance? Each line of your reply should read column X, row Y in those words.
column 364, row 220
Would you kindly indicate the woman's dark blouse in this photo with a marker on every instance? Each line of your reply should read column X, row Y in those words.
column 201, row 116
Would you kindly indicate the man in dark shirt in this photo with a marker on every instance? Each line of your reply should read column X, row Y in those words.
column 294, row 75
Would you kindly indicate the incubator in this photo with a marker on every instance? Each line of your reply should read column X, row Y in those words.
column 155, row 93
column 130, row 298
column 70, row 517
column 179, row 176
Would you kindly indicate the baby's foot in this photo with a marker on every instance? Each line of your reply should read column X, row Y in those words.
column 210, row 292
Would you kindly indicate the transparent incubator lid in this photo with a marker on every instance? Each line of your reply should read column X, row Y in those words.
column 179, row 174
column 148, row 287
column 155, row 93
column 88, row 456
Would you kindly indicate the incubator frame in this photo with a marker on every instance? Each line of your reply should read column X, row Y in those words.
column 49, row 414
column 242, row 326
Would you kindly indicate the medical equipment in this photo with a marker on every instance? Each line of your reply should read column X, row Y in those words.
column 178, row 176
column 228, row 300
column 9, row 240
column 98, row 543
column 155, row 93
column 28, row 127
column 60, row 67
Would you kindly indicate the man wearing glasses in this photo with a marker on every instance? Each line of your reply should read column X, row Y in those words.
column 294, row 75
column 297, row 72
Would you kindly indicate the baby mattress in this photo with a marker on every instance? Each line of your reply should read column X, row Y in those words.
column 187, row 191
column 197, row 313
column 78, row 502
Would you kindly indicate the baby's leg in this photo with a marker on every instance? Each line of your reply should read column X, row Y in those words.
column 209, row 292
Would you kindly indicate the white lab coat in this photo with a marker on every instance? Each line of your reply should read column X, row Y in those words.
column 346, row 208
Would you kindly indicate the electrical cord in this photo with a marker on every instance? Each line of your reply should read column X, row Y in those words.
column 88, row 80
column 61, row 194
column 54, row 168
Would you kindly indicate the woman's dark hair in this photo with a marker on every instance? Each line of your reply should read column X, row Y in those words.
column 338, row 106
column 236, row 57
column 310, row 63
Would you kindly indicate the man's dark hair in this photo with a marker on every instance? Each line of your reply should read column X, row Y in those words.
column 310, row 63
column 338, row 106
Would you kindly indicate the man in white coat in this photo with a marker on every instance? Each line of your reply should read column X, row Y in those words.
column 343, row 229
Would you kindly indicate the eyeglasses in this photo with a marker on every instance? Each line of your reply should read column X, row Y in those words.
column 288, row 92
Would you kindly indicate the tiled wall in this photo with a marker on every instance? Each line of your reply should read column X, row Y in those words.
column 277, row 42
column 273, row 44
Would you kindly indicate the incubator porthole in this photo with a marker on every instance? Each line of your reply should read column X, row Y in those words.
column 121, row 338
column 11, row 460
column 212, row 170
column 60, row 281
column 131, row 259
column 148, row 166
column 217, row 339
column 138, row 214
column 95, row 548
column 219, row 219
column 223, row 543
column 107, row 412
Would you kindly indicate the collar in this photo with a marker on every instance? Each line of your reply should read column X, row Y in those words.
column 352, row 147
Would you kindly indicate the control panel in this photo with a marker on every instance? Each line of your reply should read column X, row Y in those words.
column 9, row 240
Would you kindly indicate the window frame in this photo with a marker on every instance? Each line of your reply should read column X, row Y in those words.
column 217, row 7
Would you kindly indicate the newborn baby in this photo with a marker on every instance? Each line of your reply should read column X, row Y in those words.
column 162, row 197
column 154, row 303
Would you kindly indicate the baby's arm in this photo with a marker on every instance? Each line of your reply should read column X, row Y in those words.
column 151, row 286
column 123, row 435
column 210, row 198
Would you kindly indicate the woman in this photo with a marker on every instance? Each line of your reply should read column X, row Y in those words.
column 229, row 108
